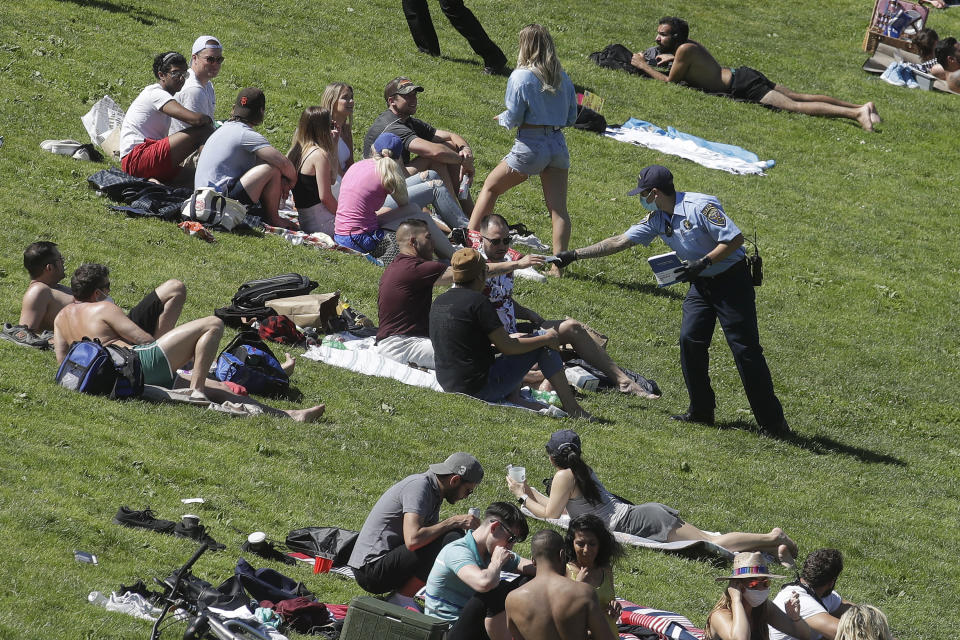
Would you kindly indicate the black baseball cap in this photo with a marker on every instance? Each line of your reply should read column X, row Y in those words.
column 655, row 176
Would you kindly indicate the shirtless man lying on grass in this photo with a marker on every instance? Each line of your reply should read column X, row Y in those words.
column 693, row 64
column 94, row 316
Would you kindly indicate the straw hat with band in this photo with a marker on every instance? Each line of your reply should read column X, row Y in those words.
column 749, row 565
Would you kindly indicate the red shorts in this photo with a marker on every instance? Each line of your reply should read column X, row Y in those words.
column 151, row 159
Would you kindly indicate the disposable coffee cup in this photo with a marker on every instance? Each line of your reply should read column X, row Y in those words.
column 256, row 539
column 517, row 474
column 190, row 520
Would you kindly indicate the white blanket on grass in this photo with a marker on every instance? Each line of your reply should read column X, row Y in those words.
column 713, row 155
column 682, row 547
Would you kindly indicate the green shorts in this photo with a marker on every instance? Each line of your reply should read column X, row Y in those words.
column 155, row 366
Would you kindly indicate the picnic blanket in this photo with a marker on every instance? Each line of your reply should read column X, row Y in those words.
column 669, row 625
column 690, row 548
column 348, row 351
column 713, row 155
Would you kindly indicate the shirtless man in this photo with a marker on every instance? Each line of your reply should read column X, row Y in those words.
column 93, row 315
column 156, row 314
column 693, row 64
column 552, row 606
column 948, row 55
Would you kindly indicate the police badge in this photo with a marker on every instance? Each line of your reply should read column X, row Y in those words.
column 712, row 213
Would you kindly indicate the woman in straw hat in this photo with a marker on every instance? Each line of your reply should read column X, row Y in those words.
column 744, row 611
column 577, row 490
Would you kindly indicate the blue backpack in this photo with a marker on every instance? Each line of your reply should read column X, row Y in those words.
column 248, row 361
column 112, row 371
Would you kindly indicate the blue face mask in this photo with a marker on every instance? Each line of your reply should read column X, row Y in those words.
column 649, row 206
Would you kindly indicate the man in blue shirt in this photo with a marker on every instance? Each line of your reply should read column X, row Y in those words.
column 696, row 227
column 464, row 585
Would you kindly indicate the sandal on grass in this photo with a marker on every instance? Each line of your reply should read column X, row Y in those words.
column 20, row 334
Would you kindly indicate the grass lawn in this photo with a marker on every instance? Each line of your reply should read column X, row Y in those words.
column 858, row 312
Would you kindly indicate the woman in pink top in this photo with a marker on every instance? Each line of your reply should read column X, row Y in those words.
column 362, row 221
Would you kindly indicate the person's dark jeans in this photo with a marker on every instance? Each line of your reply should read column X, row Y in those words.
column 424, row 35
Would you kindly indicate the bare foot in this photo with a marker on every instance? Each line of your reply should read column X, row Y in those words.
column 629, row 386
column 786, row 558
column 863, row 117
column 288, row 364
column 581, row 414
column 784, row 540
column 874, row 116
column 545, row 386
column 306, row 415
column 554, row 271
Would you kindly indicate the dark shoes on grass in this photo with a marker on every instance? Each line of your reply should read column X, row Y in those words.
column 689, row 416
column 142, row 520
column 19, row 334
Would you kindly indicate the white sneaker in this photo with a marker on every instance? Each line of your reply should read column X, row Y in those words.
column 892, row 75
column 530, row 274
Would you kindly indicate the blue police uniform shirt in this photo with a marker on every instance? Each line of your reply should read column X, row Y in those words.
column 698, row 223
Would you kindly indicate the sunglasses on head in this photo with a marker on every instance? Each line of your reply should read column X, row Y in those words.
column 759, row 583
column 498, row 241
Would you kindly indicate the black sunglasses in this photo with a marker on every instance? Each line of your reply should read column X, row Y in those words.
column 218, row 59
column 498, row 241
column 513, row 537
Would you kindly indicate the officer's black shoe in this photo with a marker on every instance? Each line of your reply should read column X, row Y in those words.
column 780, row 430
column 689, row 416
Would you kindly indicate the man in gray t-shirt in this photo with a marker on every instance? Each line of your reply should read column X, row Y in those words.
column 403, row 534
column 240, row 163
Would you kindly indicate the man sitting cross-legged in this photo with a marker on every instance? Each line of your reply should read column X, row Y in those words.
column 93, row 315
column 156, row 314
column 406, row 292
column 693, row 64
column 493, row 243
column 552, row 605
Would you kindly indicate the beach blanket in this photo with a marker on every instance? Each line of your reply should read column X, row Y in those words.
column 669, row 625
column 689, row 548
column 713, row 155
column 357, row 354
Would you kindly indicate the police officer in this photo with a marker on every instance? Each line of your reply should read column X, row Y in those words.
column 696, row 227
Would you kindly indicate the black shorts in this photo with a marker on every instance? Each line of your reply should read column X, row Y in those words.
column 146, row 314
column 237, row 192
column 749, row 84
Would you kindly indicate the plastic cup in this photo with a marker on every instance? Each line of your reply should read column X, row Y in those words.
column 517, row 474
column 322, row 564
column 256, row 539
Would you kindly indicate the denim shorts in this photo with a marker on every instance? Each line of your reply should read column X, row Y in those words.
column 537, row 149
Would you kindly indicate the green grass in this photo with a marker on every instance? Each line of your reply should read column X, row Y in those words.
column 857, row 314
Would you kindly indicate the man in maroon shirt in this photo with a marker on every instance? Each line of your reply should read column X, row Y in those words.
column 406, row 293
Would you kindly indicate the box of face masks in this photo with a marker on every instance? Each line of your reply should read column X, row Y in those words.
column 582, row 379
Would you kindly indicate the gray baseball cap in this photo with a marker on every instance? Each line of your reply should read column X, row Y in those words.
column 461, row 464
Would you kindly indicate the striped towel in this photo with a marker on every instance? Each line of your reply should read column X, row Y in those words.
column 670, row 626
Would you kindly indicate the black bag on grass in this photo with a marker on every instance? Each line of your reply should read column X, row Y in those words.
column 249, row 303
column 327, row 541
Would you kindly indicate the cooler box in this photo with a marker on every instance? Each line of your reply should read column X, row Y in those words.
column 369, row 618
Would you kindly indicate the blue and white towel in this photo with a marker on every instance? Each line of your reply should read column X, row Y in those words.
column 713, row 155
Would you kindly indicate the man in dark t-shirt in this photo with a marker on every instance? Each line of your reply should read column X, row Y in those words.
column 463, row 324
column 445, row 152
column 406, row 291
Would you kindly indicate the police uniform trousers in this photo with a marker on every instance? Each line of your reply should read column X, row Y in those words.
column 729, row 298
column 424, row 35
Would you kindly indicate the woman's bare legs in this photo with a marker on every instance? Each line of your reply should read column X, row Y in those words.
column 498, row 182
column 776, row 542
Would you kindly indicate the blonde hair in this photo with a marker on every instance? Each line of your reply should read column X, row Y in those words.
column 331, row 94
column 863, row 622
column 313, row 132
column 757, row 617
column 392, row 175
column 538, row 54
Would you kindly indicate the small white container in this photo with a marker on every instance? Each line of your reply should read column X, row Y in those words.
column 582, row 379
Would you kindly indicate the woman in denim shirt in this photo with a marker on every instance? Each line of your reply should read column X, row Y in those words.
column 540, row 101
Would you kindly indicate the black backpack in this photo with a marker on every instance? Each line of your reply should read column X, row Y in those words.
column 330, row 541
column 249, row 303
column 112, row 371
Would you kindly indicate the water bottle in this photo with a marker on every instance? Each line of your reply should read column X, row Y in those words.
column 98, row 599
column 464, row 192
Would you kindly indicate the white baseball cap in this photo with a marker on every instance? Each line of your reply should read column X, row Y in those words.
column 202, row 43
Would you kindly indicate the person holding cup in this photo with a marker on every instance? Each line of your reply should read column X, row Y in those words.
column 577, row 490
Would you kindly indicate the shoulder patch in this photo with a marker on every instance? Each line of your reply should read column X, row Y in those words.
column 714, row 215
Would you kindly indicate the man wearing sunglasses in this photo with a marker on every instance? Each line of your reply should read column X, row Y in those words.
column 464, row 585
column 815, row 589
column 697, row 228
column 197, row 93
column 493, row 242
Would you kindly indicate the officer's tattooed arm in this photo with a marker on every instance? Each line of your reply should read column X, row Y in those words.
column 611, row 245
